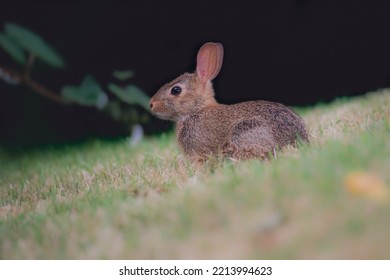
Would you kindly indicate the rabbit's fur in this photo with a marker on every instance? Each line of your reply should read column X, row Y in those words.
column 206, row 128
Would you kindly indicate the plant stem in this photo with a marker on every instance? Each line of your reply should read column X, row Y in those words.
column 29, row 65
column 35, row 86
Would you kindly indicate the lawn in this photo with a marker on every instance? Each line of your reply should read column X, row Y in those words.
column 111, row 200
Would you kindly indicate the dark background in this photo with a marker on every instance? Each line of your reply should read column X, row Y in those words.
column 298, row 52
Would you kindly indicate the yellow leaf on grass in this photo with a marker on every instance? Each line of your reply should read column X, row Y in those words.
column 366, row 184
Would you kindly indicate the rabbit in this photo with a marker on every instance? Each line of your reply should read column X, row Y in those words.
column 205, row 128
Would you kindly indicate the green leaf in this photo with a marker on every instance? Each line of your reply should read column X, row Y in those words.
column 34, row 44
column 131, row 94
column 12, row 48
column 114, row 109
column 89, row 93
column 71, row 93
column 123, row 75
column 89, row 84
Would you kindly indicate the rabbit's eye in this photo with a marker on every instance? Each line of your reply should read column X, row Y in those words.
column 176, row 90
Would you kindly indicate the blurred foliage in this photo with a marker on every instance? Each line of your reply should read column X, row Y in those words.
column 127, row 104
column 18, row 40
column 12, row 48
column 123, row 75
column 131, row 95
column 89, row 93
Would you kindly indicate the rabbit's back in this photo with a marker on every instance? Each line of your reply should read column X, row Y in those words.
column 261, row 128
column 282, row 123
column 256, row 127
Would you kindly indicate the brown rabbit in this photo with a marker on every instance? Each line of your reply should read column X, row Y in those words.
column 206, row 128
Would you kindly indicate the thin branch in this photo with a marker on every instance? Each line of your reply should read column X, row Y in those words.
column 35, row 86
column 29, row 65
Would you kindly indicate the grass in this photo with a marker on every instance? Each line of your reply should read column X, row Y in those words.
column 113, row 201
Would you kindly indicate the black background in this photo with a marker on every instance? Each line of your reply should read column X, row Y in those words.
column 298, row 52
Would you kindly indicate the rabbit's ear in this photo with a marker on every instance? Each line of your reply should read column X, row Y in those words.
column 209, row 61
